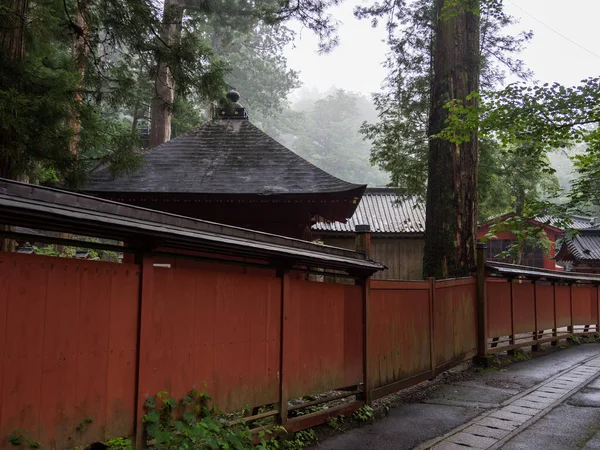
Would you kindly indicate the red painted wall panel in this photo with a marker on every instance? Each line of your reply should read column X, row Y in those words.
column 4, row 284
column 545, row 306
column 498, row 308
column 583, row 311
column 323, row 322
column 215, row 332
column 455, row 320
column 61, row 340
column 524, row 312
column 563, row 306
column 63, row 320
column 24, row 328
column 400, row 339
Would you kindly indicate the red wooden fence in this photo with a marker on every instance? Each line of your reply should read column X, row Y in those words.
column 419, row 328
column 524, row 313
column 84, row 339
column 68, row 348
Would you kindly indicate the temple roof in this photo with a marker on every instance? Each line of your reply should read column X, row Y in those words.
column 229, row 156
column 582, row 247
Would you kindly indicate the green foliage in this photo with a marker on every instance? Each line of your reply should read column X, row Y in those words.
column 520, row 355
column 198, row 426
column 19, row 437
column 400, row 135
column 119, row 444
column 547, row 117
column 574, row 339
column 364, row 414
column 83, row 425
column 302, row 439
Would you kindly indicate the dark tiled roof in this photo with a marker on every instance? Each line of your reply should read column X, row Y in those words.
column 222, row 157
column 578, row 222
column 385, row 212
column 583, row 247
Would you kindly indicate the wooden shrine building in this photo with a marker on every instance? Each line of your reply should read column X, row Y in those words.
column 229, row 171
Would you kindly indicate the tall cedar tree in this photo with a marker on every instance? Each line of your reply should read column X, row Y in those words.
column 164, row 87
column 451, row 220
column 400, row 134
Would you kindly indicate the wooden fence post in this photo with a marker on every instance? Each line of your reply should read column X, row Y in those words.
column 597, row 311
column 511, row 341
column 432, row 325
column 536, row 336
column 554, row 343
column 146, row 264
column 571, row 328
column 363, row 246
column 282, row 418
column 482, row 330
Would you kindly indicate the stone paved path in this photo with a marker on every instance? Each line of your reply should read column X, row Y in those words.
column 551, row 402
column 494, row 429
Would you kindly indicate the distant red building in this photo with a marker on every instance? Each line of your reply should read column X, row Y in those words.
column 534, row 256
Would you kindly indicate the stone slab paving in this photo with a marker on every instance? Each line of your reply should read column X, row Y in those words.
column 493, row 429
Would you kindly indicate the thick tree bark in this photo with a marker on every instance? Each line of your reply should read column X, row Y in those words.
column 79, row 51
column 162, row 103
column 451, row 221
column 12, row 34
column 12, row 46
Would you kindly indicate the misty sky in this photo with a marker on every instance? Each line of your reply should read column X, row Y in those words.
column 356, row 63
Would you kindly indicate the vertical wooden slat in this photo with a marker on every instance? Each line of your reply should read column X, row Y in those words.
column 431, row 325
column 120, row 409
column 597, row 309
column 284, row 354
column 535, row 347
column 570, row 328
column 512, row 316
column 93, row 343
column 4, row 284
column 363, row 245
column 555, row 329
column 368, row 386
column 61, row 337
column 482, row 329
column 143, row 371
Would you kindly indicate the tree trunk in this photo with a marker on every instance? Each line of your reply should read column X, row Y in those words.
column 451, row 222
column 162, row 103
column 79, row 51
column 12, row 46
column 12, row 34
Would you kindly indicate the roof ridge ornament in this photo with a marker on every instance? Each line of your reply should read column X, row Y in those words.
column 231, row 108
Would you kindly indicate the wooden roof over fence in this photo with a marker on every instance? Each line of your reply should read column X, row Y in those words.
column 50, row 209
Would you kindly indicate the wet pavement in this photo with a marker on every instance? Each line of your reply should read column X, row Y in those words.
column 550, row 402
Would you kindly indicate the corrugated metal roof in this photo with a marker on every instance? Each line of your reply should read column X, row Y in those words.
column 384, row 212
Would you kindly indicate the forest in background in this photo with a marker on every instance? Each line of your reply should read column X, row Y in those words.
column 85, row 83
